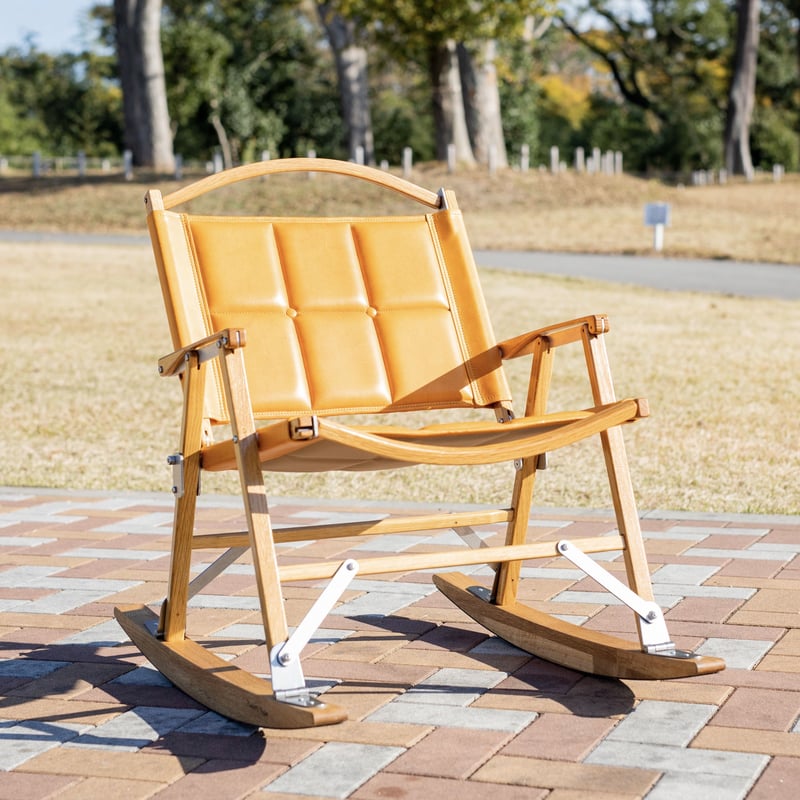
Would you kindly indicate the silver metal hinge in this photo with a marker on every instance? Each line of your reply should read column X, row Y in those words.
column 288, row 681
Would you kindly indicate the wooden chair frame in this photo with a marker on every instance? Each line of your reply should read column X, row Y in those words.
column 285, row 700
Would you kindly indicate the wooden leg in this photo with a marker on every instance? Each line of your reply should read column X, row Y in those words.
column 507, row 580
column 172, row 625
column 619, row 477
column 254, row 495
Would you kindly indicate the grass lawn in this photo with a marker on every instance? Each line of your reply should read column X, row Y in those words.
column 83, row 405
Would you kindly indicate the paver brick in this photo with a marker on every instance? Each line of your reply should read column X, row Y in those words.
column 747, row 740
column 415, row 787
column 116, row 788
column 759, row 709
column 24, row 786
column 110, row 764
column 336, row 770
column 222, row 780
column 563, row 775
column 449, row 753
column 78, row 691
column 559, row 737
column 780, row 779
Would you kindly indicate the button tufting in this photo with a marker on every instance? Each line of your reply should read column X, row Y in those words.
column 372, row 312
column 291, row 312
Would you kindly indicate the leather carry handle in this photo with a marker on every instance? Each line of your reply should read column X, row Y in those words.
column 282, row 165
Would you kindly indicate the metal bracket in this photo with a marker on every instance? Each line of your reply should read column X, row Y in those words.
column 288, row 681
column 304, row 428
column 653, row 628
column 176, row 462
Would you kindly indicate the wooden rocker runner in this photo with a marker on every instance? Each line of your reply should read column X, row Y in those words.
column 284, row 327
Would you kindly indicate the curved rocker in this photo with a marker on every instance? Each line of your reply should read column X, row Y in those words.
column 215, row 683
column 566, row 644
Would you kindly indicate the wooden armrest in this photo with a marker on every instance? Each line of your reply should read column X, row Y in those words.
column 562, row 333
column 206, row 349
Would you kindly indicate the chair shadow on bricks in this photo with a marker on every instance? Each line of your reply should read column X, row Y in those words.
column 518, row 674
column 93, row 697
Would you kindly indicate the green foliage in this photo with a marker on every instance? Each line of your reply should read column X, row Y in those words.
column 648, row 78
column 255, row 67
column 398, row 122
column 775, row 139
column 58, row 104
column 520, row 98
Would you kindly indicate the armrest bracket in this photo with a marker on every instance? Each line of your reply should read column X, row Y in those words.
column 206, row 349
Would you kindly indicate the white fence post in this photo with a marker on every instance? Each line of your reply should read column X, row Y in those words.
column 525, row 158
column 127, row 165
column 37, row 164
column 408, row 160
column 554, row 160
column 451, row 158
column 492, row 159
column 580, row 160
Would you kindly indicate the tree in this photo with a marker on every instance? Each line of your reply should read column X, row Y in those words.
column 427, row 32
column 246, row 76
column 481, row 96
column 137, row 25
column 741, row 97
column 668, row 58
column 58, row 104
column 351, row 69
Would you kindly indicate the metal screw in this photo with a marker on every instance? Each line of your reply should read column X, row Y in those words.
column 652, row 616
column 285, row 658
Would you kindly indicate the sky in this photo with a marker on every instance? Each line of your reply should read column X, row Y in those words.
column 56, row 24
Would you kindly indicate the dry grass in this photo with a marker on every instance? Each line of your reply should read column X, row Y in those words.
column 83, row 407
column 511, row 210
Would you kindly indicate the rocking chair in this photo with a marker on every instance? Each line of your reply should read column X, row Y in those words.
column 284, row 326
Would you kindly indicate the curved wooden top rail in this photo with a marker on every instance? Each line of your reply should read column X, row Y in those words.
column 281, row 165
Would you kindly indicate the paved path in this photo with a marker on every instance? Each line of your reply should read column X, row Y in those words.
column 745, row 279
column 437, row 707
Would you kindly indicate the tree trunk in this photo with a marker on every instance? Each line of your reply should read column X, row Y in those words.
column 144, row 92
column 351, row 69
column 448, row 104
column 222, row 136
column 482, row 102
column 741, row 98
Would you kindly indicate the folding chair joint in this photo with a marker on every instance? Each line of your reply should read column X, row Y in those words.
column 288, row 681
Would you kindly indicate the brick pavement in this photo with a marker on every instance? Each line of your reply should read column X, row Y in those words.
column 436, row 705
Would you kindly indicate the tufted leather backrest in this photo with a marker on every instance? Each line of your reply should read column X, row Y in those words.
column 343, row 315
